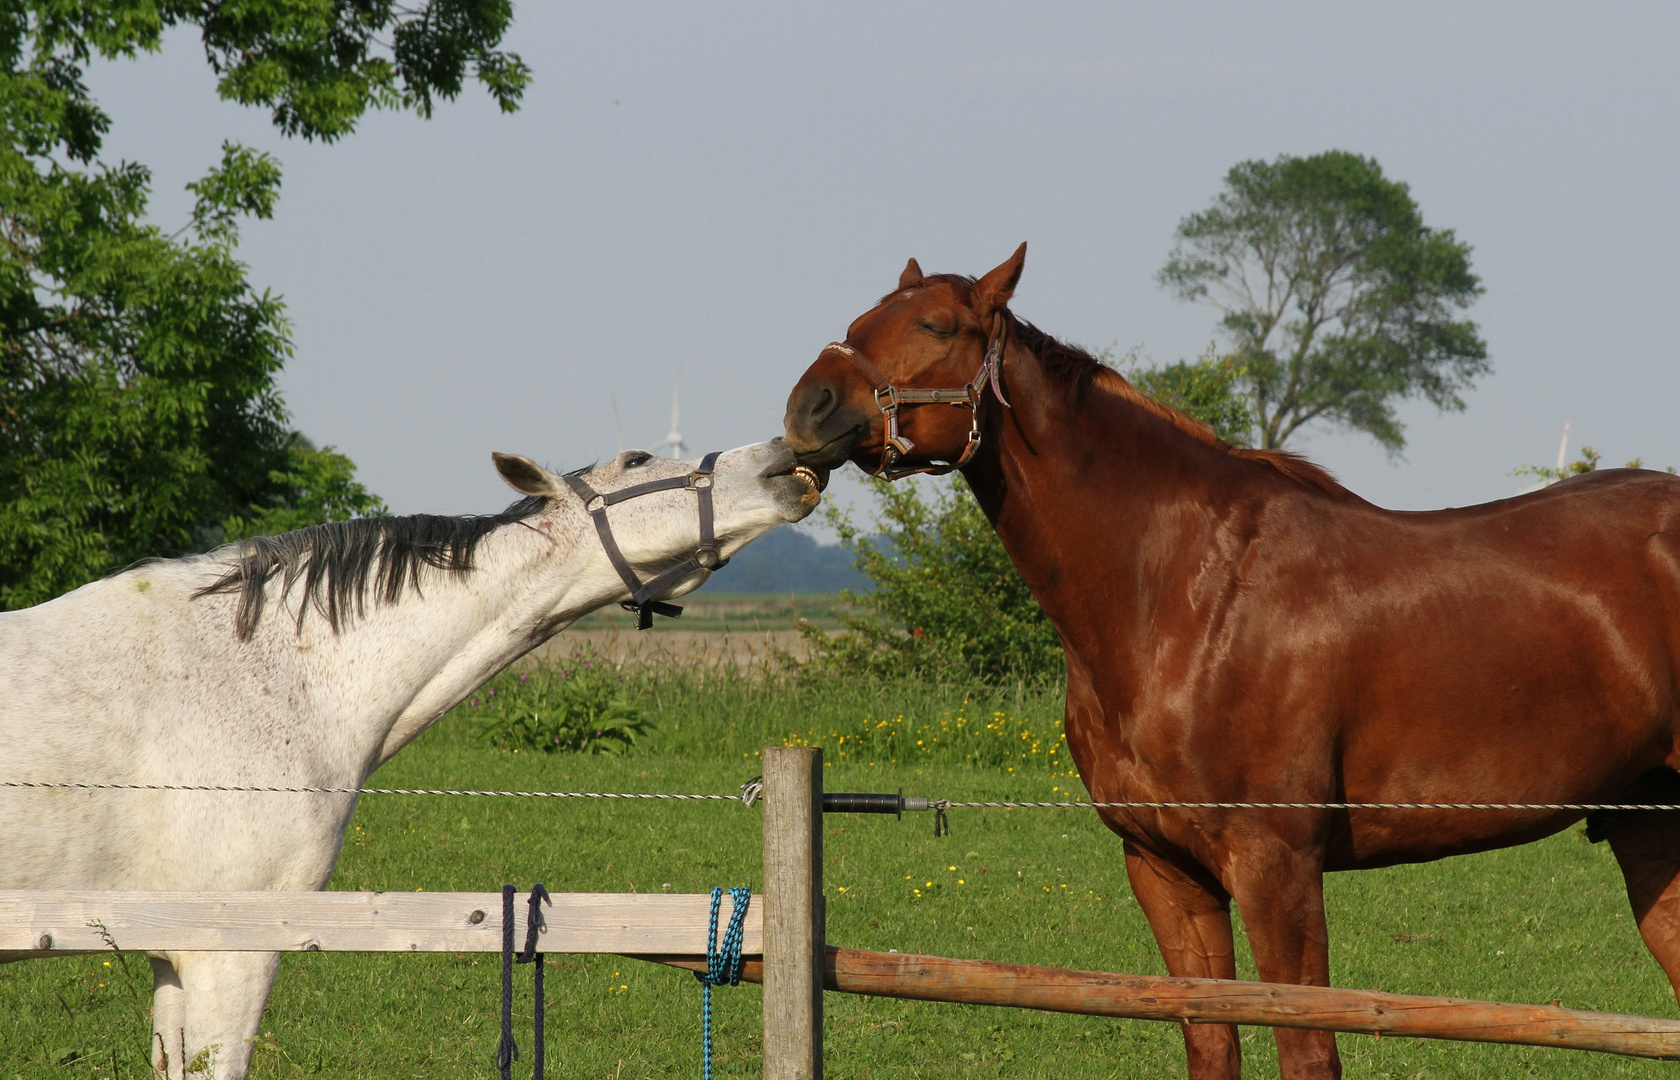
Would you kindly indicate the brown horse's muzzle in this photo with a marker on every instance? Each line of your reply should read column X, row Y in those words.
column 824, row 427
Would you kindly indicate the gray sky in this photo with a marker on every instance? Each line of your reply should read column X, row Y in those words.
column 718, row 189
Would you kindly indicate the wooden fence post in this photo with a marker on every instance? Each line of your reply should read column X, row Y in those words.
column 794, row 941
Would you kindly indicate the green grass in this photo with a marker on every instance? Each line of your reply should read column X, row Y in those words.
column 1046, row 887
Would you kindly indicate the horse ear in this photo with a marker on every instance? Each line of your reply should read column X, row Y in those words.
column 525, row 476
column 912, row 275
column 994, row 290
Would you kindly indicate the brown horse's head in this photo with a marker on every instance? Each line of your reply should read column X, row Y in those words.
column 932, row 333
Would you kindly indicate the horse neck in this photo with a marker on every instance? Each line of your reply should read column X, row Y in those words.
column 1098, row 503
column 393, row 671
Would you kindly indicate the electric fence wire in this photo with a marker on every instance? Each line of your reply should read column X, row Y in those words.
column 749, row 796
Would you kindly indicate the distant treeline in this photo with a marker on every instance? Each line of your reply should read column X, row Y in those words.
column 788, row 560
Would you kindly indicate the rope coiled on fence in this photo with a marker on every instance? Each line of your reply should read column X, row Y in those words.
column 507, row 1050
column 723, row 964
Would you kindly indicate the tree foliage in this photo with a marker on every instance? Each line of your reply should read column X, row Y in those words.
column 138, row 411
column 1340, row 301
column 312, row 487
column 1586, row 463
column 1210, row 388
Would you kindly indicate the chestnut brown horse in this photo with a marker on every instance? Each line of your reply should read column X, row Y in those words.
column 1240, row 628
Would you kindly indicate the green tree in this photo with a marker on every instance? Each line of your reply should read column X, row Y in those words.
column 1340, row 301
column 315, row 485
column 138, row 411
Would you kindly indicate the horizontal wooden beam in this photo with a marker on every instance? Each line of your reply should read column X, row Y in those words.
column 78, row 921
column 1215, row 1001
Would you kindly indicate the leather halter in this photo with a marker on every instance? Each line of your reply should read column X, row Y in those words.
column 705, row 556
column 889, row 398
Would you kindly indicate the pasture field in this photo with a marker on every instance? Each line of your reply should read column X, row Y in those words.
column 1034, row 886
column 736, row 613
column 716, row 629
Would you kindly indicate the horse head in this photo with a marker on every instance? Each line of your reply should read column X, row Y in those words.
column 650, row 512
column 934, row 341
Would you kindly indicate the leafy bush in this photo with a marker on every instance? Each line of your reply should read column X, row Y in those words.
column 948, row 605
column 583, row 706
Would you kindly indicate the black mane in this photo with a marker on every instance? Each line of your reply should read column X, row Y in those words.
column 337, row 561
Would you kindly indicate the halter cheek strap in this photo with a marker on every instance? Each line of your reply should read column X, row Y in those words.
column 705, row 556
column 889, row 399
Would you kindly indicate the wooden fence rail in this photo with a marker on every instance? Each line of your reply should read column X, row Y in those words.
column 1215, row 1001
column 86, row 921
column 787, row 929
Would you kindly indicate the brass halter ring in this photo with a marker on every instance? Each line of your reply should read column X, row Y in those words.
column 889, row 399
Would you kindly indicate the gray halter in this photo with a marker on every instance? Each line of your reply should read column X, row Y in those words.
column 705, row 556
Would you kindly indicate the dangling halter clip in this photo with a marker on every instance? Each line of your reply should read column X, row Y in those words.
column 705, row 556
column 889, row 399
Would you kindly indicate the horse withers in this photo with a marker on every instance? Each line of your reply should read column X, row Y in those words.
column 306, row 661
column 1240, row 628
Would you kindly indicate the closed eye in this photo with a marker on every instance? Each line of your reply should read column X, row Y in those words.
column 938, row 328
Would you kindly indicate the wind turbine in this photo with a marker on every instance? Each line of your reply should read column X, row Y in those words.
column 674, row 441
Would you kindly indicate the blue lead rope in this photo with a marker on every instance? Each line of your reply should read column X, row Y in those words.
column 723, row 965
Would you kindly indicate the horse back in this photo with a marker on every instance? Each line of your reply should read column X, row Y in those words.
column 1518, row 651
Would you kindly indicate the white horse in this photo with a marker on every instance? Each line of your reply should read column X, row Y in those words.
column 305, row 660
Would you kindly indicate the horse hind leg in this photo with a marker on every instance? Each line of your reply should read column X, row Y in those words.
column 1192, row 927
column 1647, row 848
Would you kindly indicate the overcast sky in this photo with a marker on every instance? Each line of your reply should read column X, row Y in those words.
column 718, row 189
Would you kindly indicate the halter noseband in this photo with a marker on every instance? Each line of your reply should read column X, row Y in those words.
column 889, row 398
column 705, row 556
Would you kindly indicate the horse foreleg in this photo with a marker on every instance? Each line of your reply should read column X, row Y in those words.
column 1281, row 896
column 169, row 1017
column 208, row 1008
column 1192, row 926
column 1647, row 847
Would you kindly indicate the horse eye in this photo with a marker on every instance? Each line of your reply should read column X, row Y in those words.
column 637, row 460
column 942, row 330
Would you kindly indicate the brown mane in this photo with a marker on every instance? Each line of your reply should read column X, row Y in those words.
column 1079, row 371
column 1082, row 371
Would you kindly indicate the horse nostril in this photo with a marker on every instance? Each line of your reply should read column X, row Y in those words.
column 823, row 404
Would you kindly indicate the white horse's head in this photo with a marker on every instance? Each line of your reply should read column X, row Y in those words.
column 654, row 509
